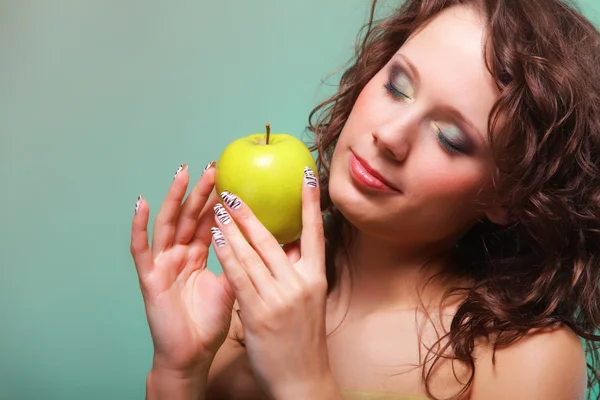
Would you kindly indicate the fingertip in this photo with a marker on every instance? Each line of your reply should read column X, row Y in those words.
column 180, row 182
column 310, row 178
column 209, row 167
column 138, row 204
column 138, row 246
column 141, row 214
column 209, row 172
column 312, row 218
column 218, row 238
column 176, row 191
column 180, row 170
column 205, row 184
column 311, row 196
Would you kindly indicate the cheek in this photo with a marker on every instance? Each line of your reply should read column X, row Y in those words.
column 453, row 182
column 363, row 104
column 366, row 108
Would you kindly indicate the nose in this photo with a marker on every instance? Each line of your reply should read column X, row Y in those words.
column 395, row 137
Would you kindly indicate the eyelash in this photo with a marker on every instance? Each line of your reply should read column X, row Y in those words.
column 395, row 92
column 444, row 142
column 451, row 148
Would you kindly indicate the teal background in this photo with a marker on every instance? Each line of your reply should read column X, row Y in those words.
column 101, row 101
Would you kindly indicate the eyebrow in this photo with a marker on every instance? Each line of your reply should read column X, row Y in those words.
column 448, row 109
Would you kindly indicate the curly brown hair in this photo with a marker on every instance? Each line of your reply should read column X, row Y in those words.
column 544, row 268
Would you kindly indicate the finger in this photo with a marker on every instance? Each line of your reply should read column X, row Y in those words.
column 164, row 225
column 249, row 260
column 187, row 220
column 260, row 238
column 140, row 250
column 206, row 220
column 313, row 240
column 222, row 278
column 292, row 251
column 243, row 288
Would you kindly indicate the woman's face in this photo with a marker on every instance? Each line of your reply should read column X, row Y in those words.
column 413, row 164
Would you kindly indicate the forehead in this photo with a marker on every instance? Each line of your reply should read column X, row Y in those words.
column 448, row 53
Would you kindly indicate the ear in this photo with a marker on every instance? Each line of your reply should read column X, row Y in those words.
column 497, row 210
column 498, row 214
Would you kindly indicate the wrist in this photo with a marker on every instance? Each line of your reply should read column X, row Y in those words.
column 194, row 370
column 165, row 383
column 323, row 388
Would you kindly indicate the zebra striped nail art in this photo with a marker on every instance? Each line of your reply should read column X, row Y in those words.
column 222, row 214
column 218, row 236
column 181, row 167
column 309, row 178
column 209, row 166
column 231, row 200
column 137, row 203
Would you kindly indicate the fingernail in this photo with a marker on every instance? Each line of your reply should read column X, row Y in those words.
column 309, row 177
column 222, row 214
column 138, row 202
column 210, row 165
column 181, row 168
column 231, row 200
column 218, row 236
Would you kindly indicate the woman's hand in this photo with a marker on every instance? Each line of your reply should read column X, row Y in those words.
column 282, row 294
column 187, row 306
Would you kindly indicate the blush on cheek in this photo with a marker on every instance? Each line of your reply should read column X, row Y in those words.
column 366, row 106
column 449, row 183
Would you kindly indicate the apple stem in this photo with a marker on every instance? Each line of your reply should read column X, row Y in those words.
column 268, row 133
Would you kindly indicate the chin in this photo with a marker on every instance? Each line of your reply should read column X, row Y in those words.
column 364, row 210
column 360, row 207
column 360, row 211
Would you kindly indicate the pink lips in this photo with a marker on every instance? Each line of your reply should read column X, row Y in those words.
column 367, row 177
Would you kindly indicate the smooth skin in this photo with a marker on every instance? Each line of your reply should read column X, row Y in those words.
column 282, row 298
column 182, row 371
column 188, row 308
column 285, row 316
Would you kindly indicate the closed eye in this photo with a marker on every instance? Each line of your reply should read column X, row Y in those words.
column 449, row 145
column 395, row 92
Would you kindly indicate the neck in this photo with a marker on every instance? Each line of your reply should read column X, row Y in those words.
column 382, row 276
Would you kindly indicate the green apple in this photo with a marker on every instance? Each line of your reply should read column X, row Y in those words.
column 266, row 171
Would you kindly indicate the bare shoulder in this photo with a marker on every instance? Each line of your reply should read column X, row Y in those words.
column 230, row 376
column 544, row 364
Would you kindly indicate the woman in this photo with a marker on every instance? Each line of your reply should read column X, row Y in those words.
column 458, row 256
